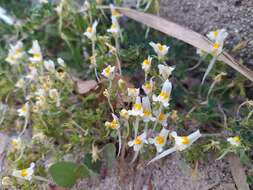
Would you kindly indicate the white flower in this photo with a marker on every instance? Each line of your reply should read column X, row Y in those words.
column 16, row 143
column 160, row 140
column 36, row 52
column 133, row 92
column 20, row 83
column 49, row 65
column 109, row 72
column 15, row 54
column 165, row 71
column 24, row 110
column 147, row 113
column 183, row 142
column 146, row 64
column 162, row 118
column 138, row 142
column 24, row 173
column 164, row 96
column 234, row 141
column 161, row 50
column 91, row 31
column 218, row 37
column 61, row 62
column 114, row 13
column 115, row 28
column 114, row 124
column 137, row 109
column 148, row 87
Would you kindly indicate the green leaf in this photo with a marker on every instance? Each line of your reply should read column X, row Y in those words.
column 109, row 153
column 65, row 174
column 93, row 166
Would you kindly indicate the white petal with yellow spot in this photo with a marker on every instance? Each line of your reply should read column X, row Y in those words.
column 161, row 50
column 183, row 142
column 146, row 64
column 91, row 31
column 165, row 71
column 138, row 142
column 137, row 109
column 147, row 112
column 234, row 141
column 24, row 173
column 164, row 96
column 109, row 72
column 160, row 140
column 36, row 52
column 24, row 110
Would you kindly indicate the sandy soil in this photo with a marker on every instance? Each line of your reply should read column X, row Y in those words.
column 169, row 174
column 205, row 15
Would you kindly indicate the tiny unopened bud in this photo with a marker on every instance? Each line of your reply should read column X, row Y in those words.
column 106, row 93
column 124, row 114
column 121, row 84
column 174, row 116
column 220, row 77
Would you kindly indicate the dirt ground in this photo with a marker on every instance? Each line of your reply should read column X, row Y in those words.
column 205, row 15
column 169, row 174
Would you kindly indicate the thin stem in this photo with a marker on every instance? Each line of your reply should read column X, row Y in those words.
column 93, row 55
column 118, row 53
column 136, row 126
column 25, row 126
column 108, row 98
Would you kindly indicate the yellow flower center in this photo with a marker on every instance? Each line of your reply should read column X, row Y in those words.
column 14, row 143
column 37, row 55
column 146, row 62
column 89, row 29
column 23, row 109
column 161, row 117
column 160, row 140
column 237, row 139
column 137, row 141
column 146, row 112
column 185, row 140
column 164, row 95
column 24, row 173
column 113, row 26
column 216, row 45
column 160, row 47
column 113, row 124
column 107, row 71
column 137, row 106
column 148, row 86
column 216, row 33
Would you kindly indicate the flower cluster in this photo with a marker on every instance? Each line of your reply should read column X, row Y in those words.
column 149, row 111
column 41, row 83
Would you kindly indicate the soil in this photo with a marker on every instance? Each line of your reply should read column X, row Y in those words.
column 169, row 174
column 206, row 15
